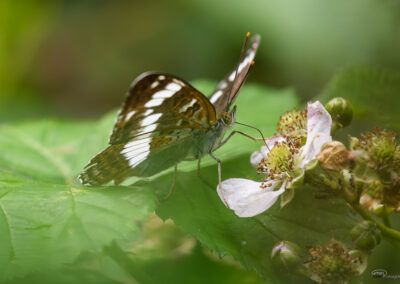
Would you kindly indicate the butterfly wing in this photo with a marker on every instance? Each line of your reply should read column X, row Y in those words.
column 159, row 101
column 141, row 157
column 228, row 89
column 155, row 129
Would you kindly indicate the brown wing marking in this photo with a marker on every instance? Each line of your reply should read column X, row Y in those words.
column 170, row 96
column 144, row 157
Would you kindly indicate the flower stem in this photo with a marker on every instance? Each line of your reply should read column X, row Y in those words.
column 386, row 220
column 386, row 231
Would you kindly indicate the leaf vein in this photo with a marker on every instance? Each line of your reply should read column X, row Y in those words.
column 44, row 152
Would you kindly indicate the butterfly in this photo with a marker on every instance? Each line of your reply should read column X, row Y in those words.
column 164, row 120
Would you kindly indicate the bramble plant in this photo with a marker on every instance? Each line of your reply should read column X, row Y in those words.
column 367, row 177
column 336, row 219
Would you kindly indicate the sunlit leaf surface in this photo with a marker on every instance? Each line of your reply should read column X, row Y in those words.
column 46, row 218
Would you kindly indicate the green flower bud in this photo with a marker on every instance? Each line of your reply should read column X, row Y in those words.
column 286, row 256
column 365, row 235
column 341, row 111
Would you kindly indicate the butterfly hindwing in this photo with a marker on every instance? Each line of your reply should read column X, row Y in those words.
column 154, row 129
column 140, row 157
column 228, row 89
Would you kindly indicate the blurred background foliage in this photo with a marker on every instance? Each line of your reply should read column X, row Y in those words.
column 77, row 58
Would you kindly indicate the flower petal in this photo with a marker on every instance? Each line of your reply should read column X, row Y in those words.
column 319, row 124
column 313, row 146
column 318, row 120
column 246, row 197
column 256, row 157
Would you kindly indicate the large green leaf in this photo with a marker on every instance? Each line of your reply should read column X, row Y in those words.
column 51, row 150
column 46, row 219
column 374, row 93
column 43, row 225
column 196, row 207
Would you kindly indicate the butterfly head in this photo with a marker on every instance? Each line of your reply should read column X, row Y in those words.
column 228, row 117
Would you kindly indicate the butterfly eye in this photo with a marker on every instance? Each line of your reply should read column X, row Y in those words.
column 226, row 118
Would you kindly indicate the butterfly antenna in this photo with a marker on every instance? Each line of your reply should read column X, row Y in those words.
column 242, row 53
column 262, row 135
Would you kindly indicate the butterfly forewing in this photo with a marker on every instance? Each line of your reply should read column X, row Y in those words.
column 157, row 102
column 154, row 129
column 228, row 89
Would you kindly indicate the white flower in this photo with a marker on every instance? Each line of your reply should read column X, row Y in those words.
column 283, row 161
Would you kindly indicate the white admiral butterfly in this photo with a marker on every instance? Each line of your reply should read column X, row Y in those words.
column 164, row 120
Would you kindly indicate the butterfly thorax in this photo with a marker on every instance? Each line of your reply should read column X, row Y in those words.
column 210, row 140
column 224, row 123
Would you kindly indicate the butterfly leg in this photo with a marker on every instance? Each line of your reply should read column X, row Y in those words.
column 220, row 178
column 198, row 167
column 171, row 190
column 239, row 132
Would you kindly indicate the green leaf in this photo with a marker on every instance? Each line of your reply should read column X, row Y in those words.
column 196, row 207
column 43, row 225
column 46, row 219
column 198, row 267
column 51, row 151
column 374, row 93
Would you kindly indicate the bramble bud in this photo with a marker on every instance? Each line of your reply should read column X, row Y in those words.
column 286, row 256
column 332, row 263
column 381, row 148
column 341, row 111
column 365, row 235
column 333, row 156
